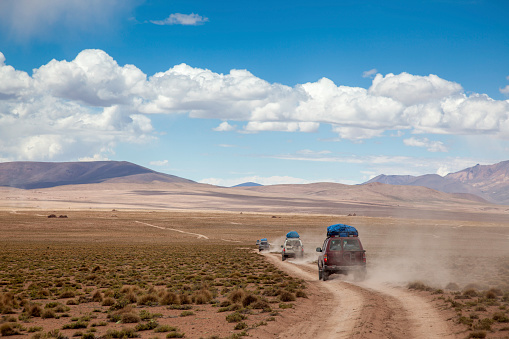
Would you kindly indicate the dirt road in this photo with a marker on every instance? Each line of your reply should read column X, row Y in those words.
column 361, row 310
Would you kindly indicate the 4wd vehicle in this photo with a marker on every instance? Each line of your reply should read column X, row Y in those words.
column 263, row 245
column 292, row 249
column 341, row 253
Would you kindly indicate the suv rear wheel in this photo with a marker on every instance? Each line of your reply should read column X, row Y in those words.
column 325, row 275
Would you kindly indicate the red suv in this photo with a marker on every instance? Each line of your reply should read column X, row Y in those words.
column 341, row 253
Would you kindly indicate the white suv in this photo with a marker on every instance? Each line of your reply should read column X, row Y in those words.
column 292, row 249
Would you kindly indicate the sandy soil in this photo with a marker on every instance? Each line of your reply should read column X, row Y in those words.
column 363, row 310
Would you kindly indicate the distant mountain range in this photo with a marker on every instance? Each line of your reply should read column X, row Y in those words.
column 490, row 182
column 30, row 175
column 487, row 182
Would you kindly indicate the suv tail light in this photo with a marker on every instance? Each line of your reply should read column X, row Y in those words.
column 364, row 257
column 325, row 258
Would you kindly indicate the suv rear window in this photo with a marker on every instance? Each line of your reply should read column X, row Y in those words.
column 345, row 244
column 293, row 243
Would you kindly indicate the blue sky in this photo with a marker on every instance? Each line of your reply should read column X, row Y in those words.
column 272, row 92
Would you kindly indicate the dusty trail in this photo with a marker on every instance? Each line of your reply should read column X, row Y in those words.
column 361, row 310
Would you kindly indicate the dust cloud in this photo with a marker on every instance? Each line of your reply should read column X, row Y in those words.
column 435, row 253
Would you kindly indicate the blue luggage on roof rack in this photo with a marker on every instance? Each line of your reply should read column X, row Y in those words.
column 342, row 230
column 292, row 234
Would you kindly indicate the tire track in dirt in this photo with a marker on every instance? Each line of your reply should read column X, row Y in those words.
column 364, row 310
column 173, row 229
column 334, row 316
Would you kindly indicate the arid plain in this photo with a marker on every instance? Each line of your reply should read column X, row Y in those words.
column 170, row 260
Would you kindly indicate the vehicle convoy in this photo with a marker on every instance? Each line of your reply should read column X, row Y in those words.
column 263, row 245
column 341, row 253
column 292, row 247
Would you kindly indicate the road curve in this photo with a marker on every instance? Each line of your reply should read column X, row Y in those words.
column 361, row 310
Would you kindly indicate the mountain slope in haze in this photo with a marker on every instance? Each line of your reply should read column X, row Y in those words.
column 30, row 175
column 377, row 193
column 490, row 182
column 247, row 184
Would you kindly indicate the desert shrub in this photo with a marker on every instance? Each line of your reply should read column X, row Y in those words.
column 33, row 310
column 8, row 329
column 47, row 313
column 75, row 325
column 497, row 291
column 185, row 299
column 465, row 320
column 484, row 324
column 148, row 299
column 131, row 297
column 165, row 328
column 61, row 308
column 130, row 317
column 225, row 303
column 169, row 298
column 260, row 304
column 452, row 286
column 97, row 296
column 301, row 294
column 501, row 317
column 470, row 293
column 418, row 285
column 202, row 296
column 175, row 335
column 123, row 333
column 7, row 302
column 286, row 296
column 108, row 301
column 67, row 294
column 237, row 295
column 240, row 326
column 249, row 299
column 34, row 329
column 186, row 313
column 88, row 335
column 235, row 317
column 490, row 295
column 150, row 325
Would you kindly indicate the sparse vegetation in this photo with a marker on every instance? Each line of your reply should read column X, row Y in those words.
column 119, row 282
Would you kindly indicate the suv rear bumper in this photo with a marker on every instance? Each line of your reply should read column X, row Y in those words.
column 333, row 268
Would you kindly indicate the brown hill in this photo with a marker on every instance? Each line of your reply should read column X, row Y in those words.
column 30, row 175
column 490, row 182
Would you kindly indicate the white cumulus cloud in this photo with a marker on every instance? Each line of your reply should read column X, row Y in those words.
column 370, row 73
column 432, row 146
column 159, row 163
column 225, row 127
column 182, row 19
column 85, row 107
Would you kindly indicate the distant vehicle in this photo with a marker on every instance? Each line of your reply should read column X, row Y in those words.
column 263, row 245
column 292, row 248
column 341, row 253
column 257, row 242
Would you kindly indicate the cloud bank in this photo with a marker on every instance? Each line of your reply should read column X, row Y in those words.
column 83, row 108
